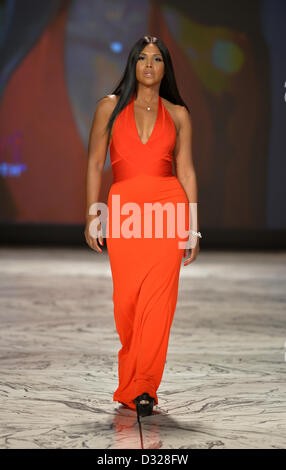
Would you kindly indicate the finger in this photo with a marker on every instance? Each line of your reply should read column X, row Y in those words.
column 94, row 245
column 189, row 260
column 97, row 247
column 192, row 257
column 186, row 252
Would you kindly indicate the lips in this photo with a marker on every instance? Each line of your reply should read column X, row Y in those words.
column 148, row 74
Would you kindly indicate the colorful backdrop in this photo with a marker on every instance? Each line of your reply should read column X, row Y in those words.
column 59, row 57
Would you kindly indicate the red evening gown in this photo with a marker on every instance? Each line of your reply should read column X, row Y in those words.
column 145, row 271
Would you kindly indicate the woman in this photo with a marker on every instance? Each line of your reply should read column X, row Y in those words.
column 148, row 127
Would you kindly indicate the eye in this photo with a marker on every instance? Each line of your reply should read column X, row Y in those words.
column 158, row 59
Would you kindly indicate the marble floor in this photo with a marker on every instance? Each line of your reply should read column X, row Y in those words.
column 224, row 380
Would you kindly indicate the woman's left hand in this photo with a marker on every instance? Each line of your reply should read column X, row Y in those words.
column 194, row 253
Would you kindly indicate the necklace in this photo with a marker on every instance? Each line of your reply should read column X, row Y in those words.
column 147, row 107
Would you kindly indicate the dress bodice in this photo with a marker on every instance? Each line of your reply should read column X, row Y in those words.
column 130, row 156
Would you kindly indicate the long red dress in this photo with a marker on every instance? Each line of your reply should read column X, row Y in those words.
column 145, row 271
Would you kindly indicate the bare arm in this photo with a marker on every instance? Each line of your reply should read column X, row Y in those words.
column 186, row 172
column 97, row 151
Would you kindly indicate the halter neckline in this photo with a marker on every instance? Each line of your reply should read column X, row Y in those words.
column 156, row 122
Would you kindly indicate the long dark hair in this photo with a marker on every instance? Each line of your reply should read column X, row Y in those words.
column 127, row 84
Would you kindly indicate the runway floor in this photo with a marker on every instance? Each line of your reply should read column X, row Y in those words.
column 224, row 380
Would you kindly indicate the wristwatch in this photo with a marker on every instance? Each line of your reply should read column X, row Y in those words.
column 198, row 234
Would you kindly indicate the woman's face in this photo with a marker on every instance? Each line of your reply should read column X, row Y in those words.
column 150, row 67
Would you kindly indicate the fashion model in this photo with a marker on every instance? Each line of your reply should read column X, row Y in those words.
column 147, row 127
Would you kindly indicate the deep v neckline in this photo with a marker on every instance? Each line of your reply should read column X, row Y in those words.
column 134, row 120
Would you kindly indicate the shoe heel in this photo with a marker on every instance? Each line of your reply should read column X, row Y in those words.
column 144, row 409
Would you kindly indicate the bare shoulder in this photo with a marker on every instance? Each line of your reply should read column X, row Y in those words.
column 106, row 105
column 111, row 99
column 179, row 114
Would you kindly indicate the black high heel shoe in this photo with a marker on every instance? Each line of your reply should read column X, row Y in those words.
column 144, row 409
